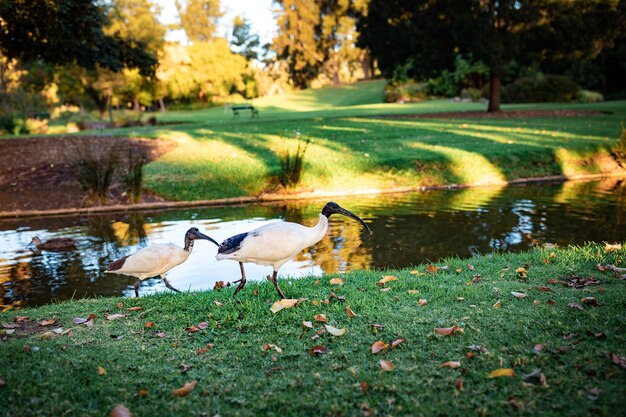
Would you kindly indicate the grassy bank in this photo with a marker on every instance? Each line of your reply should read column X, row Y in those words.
column 149, row 352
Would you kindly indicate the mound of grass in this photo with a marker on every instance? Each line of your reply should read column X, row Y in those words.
column 562, row 345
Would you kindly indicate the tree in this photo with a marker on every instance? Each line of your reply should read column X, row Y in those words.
column 243, row 42
column 430, row 33
column 199, row 18
column 67, row 31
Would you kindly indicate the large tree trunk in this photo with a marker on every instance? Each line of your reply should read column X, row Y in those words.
column 495, row 85
column 366, row 63
column 161, row 105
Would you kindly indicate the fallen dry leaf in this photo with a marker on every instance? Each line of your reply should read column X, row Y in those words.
column 386, row 365
column 101, row 370
column 149, row 324
column 576, row 306
column 451, row 364
column 115, row 316
column 286, row 303
column 597, row 335
column 497, row 304
column 335, row 331
column 80, row 320
column 386, row 279
column 379, row 346
column 336, row 281
column 320, row 317
column 413, row 292
column 521, row 272
column 397, row 342
column 501, row 372
column 518, row 294
column 458, row 384
column 120, row 305
column 47, row 322
column 185, row 389
column 160, row 334
column 535, row 377
column 307, row 324
column 318, row 350
column 269, row 346
column 581, row 282
column 422, row 302
column 431, row 268
column 192, row 329
column 539, row 347
column 387, row 289
column 205, row 349
column 447, row 331
column 608, row 247
column 48, row 335
column 143, row 393
column 550, row 301
column 20, row 319
column 120, row 411
column 203, row 325
column 350, row 313
column 591, row 301
column 414, row 272
column 618, row 360
column 136, row 308
column 542, row 288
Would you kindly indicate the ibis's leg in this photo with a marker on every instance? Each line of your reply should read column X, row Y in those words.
column 167, row 284
column 241, row 281
column 273, row 279
column 137, row 288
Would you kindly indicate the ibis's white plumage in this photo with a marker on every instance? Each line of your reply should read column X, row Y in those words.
column 276, row 243
column 152, row 261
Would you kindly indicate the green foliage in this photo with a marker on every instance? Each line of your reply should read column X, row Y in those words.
column 95, row 170
column 467, row 74
column 586, row 96
column 57, row 32
column 409, row 91
column 243, row 41
column 199, row 18
column 541, row 89
column 11, row 124
column 292, row 164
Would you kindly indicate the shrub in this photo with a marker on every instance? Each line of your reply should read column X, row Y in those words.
column 586, row 96
column 291, row 166
column 132, row 175
column 541, row 89
column 95, row 170
column 406, row 92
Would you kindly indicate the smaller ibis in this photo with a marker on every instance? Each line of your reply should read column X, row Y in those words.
column 276, row 243
column 57, row 244
column 156, row 260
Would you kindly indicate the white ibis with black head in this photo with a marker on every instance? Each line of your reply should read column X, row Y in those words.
column 276, row 243
column 156, row 260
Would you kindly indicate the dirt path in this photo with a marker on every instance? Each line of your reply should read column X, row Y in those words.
column 35, row 172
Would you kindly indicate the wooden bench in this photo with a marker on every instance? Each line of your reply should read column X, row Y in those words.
column 237, row 107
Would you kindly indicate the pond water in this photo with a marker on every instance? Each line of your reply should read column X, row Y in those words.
column 408, row 229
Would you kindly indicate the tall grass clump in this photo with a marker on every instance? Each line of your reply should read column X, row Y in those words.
column 131, row 176
column 292, row 165
column 95, row 171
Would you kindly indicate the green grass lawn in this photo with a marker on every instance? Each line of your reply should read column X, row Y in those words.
column 239, row 375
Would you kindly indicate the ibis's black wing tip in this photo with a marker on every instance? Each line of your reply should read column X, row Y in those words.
column 232, row 244
column 117, row 264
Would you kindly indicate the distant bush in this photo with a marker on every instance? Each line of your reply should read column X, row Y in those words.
column 132, row 175
column 13, row 124
column 586, row 96
column 292, row 165
column 95, row 170
column 542, row 89
column 406, row 92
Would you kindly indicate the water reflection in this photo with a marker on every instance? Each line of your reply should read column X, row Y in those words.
column 408, row 229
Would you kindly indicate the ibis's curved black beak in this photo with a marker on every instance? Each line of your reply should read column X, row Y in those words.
column 341, row 210
column 198, row 235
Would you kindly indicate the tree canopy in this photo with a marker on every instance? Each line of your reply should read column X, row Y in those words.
column 198, row 18
column 68, row 31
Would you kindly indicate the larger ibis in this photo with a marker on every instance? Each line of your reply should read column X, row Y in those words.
column 276, row 243
column 156, row 260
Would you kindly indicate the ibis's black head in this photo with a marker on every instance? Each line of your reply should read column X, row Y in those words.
column 332, row 208
column 194, row 234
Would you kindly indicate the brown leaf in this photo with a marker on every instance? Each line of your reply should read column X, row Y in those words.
column 149, row 324
column 120, row 411
column 318, row 350
column 414, row 272
column 431, row 268
column 48, row 335
column 379, row 346
column 497, row 304
column 550, row 301
column 581, row 282
column 386, row 279
column 556, row 281
column 597, row 335
column 386, row 365
column 47, row 322
column 608, row 247
column 542, row 288
column 203, row 325
column 218, row 285
column 119, row 305
column 458, row 384
column 447, row 331
column 203, row 350
column 115, row 316
column 376, row 326
column 20, row 319
column 286, row 303
column 538, row 348
column 320, row 317
column 269, row 346
column 335, row 281
column 397, row 342
column 618, row 360
column 521, row 272
column 496, row 373
column 576, row 306
column 451, row 364
column 422, row 302
column 590, row 301
column 136, row 308
column 535, row 377
column 192, row 329
column 412, row 291
column 143, row 393
column 101, row 371
column 185, row 389
column 335, row 331
column 80, row 320
column 350, row 313
column 364, row 387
